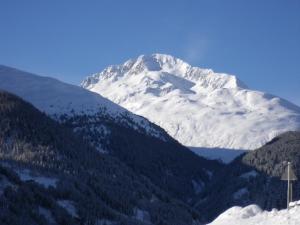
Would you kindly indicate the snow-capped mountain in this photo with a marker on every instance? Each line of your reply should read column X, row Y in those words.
column 198, row 107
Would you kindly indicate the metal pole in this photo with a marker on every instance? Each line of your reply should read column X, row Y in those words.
column 291, row 199
column 288, row 189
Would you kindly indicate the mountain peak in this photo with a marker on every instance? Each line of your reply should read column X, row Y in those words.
column 162, row 64
column 189, row 100
column 159, row 61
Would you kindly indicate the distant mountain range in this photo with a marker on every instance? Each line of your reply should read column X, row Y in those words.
column 197, row 107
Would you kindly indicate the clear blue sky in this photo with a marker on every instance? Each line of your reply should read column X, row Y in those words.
column 257, row 40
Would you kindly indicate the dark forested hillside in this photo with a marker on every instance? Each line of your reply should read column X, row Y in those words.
column 254, row 178
column 112, row 130
column 50, row 176
column 168, row 164
column 272, row 158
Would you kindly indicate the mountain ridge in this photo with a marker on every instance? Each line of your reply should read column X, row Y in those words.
column 168, row 64
column 118, row 133
column 58, row 99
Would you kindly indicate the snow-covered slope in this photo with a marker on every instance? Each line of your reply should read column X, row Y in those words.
column 253, row 215
column 198, row 107
column 57, row 98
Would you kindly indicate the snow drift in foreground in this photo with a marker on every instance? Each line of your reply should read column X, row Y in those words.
column 198, row 107
column 253, row 215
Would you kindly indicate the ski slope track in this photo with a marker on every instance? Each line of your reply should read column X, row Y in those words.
column 198, row 107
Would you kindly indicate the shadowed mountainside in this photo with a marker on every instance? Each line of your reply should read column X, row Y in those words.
column 48, row 175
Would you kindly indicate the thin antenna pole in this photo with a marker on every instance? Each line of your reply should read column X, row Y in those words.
column 289, row 176
column 288, row 189
column 291, row 199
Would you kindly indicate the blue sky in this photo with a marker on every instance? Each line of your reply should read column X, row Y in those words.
column 257, row 40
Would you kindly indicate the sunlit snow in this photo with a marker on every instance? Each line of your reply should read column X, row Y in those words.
column 198, row 107
column 57, row 98
column 253, row 215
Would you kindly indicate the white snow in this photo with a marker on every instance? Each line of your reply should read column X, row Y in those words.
column 57, row 98
column 154, row 198
column 248, row 175
column 105, row 222
column 30, row 175
column 198, row 107
column 198, row 186
column 253, row 215
column 50, row 95
column 293, row 204
column 69, row 206
column 209, row 173
column 47, row 214
column 141, row 215
column 240, row 193
column 27, row 175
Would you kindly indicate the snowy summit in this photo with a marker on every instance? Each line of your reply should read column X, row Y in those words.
column 198, row 107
